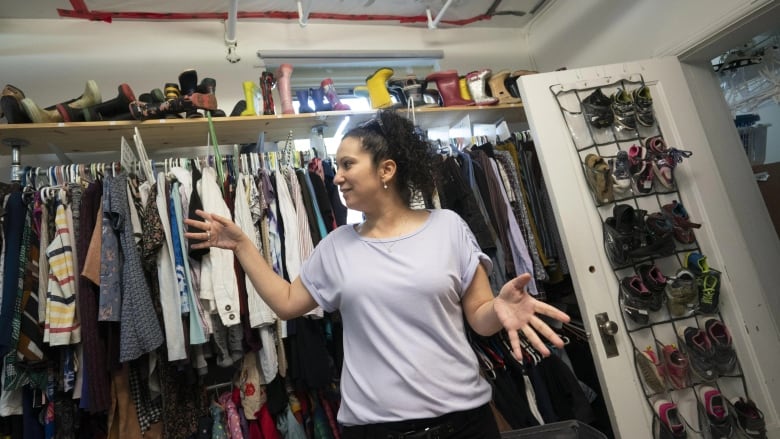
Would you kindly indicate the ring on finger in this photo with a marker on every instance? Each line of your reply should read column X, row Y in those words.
column 208, row 235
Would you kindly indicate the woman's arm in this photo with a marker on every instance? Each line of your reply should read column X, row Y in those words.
column 513, row 309
column 287, row 300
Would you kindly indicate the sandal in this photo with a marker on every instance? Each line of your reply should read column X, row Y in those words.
column 599, row 177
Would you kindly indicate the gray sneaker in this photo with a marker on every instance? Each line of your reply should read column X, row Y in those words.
column 681, row 292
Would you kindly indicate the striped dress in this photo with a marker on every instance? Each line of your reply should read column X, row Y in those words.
column 61, row 326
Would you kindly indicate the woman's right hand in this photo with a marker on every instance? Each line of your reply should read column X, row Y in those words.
column 216, row 231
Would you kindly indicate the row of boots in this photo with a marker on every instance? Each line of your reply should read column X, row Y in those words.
column 184, row 99
column 260, row 96
column 479, row 87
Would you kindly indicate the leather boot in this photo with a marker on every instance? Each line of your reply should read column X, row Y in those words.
column 12, row 110
column 498, row 88
column 377, row 88
column 333, row 97
column 267, row 84
column 318, row 97
column 251, row 102
column 449, row 90
column 114, row 109
column 144, row 111
column 283, row 85
column 476, row 83
column 511, row 81
column 90, row 97
column 463, row 86
column 303, row 101
column 396, row 89
column 10, row 90
column 188, row 84
column 413, row 91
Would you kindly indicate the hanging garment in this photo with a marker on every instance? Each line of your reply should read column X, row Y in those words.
column 170, row 298
column 110, row 305
column 218, row 279
column 140, row 330
column 13, row 226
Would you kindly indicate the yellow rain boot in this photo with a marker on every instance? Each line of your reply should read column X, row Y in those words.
column 377, row 88
column 251, row 95
column 361, row 91
column 464, row 88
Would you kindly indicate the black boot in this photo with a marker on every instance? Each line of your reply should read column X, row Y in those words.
column 396, row 89
column 267, row 83
column 12, row 110
column 114, row 109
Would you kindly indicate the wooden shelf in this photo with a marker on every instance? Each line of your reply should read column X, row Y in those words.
column 182, row 133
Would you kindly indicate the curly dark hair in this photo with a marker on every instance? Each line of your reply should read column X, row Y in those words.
column 390, row 135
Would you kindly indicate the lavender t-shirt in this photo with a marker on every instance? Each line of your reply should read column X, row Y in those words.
column 406, row 355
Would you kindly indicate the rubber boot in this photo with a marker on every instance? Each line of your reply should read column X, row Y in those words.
column 267, row 84
column 188, row 84
column 303, row 101
column 333, row 97
column 283, row 85
column 464, row 88
column 113, row 109
column 498, row 89
column 511, row 81
column 413, row 92
column 449, row 90
column 251, row 104
column 172, row 91
column 318, row 97
column 90, row 97
column 396, row 89
column 377, row 88
column 476, row 83
column 361, row 91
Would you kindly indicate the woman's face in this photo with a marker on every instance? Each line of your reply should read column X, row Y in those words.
column 357, row 176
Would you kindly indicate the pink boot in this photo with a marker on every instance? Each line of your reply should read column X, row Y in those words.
column 283, row 85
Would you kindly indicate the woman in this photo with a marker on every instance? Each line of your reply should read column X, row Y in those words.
column 403, row 280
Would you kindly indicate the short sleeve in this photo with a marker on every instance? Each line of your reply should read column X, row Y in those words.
column 321, row 275
column 471, row 253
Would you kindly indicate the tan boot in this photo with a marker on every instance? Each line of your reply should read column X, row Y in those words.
column 498, row 88
column 38, row 114
column 283, row 85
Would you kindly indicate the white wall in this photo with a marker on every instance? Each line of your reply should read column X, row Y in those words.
column 586, row 33
column 51, row 59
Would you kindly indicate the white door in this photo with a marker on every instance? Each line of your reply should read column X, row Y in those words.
column 562, row 140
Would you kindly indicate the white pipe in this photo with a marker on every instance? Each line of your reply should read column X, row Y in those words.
column 435, row 22
column 303, row 16
column 230, row 27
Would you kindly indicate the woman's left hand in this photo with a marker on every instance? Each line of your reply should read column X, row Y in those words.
column 516, row 310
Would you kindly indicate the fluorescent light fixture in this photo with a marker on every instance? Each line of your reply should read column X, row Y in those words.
column 341, row 128
column 350, row 57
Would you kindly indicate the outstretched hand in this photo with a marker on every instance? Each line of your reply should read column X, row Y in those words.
column 517, row 311
column 217, row 231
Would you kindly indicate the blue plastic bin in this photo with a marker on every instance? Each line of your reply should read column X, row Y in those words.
column 557, row 430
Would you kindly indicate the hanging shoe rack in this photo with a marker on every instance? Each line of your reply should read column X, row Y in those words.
column 606, row 142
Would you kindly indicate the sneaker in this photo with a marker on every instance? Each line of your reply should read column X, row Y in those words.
column 643, row 178
column 597, row 111
column 660, row 238
column 696, row 263
column 709, row 292
column 672, row 425
column 750, row 420
column 643, row 106
column 655, row 281
column 636, row 158
column 651, row 369
column 621, row 174
column 725, row 357
column 700, row 353
column 676, row 367
column 716, row 420
column 683, row 226
column 599, row 179
column 635, row 295
column 663, row 170
column 655, row 145
column 681, row 292
column 623, row 109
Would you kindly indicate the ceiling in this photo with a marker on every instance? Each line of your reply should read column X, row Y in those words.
column 473, row 13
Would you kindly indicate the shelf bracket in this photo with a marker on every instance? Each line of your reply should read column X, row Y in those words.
column 16, row 162
column 434, row 22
